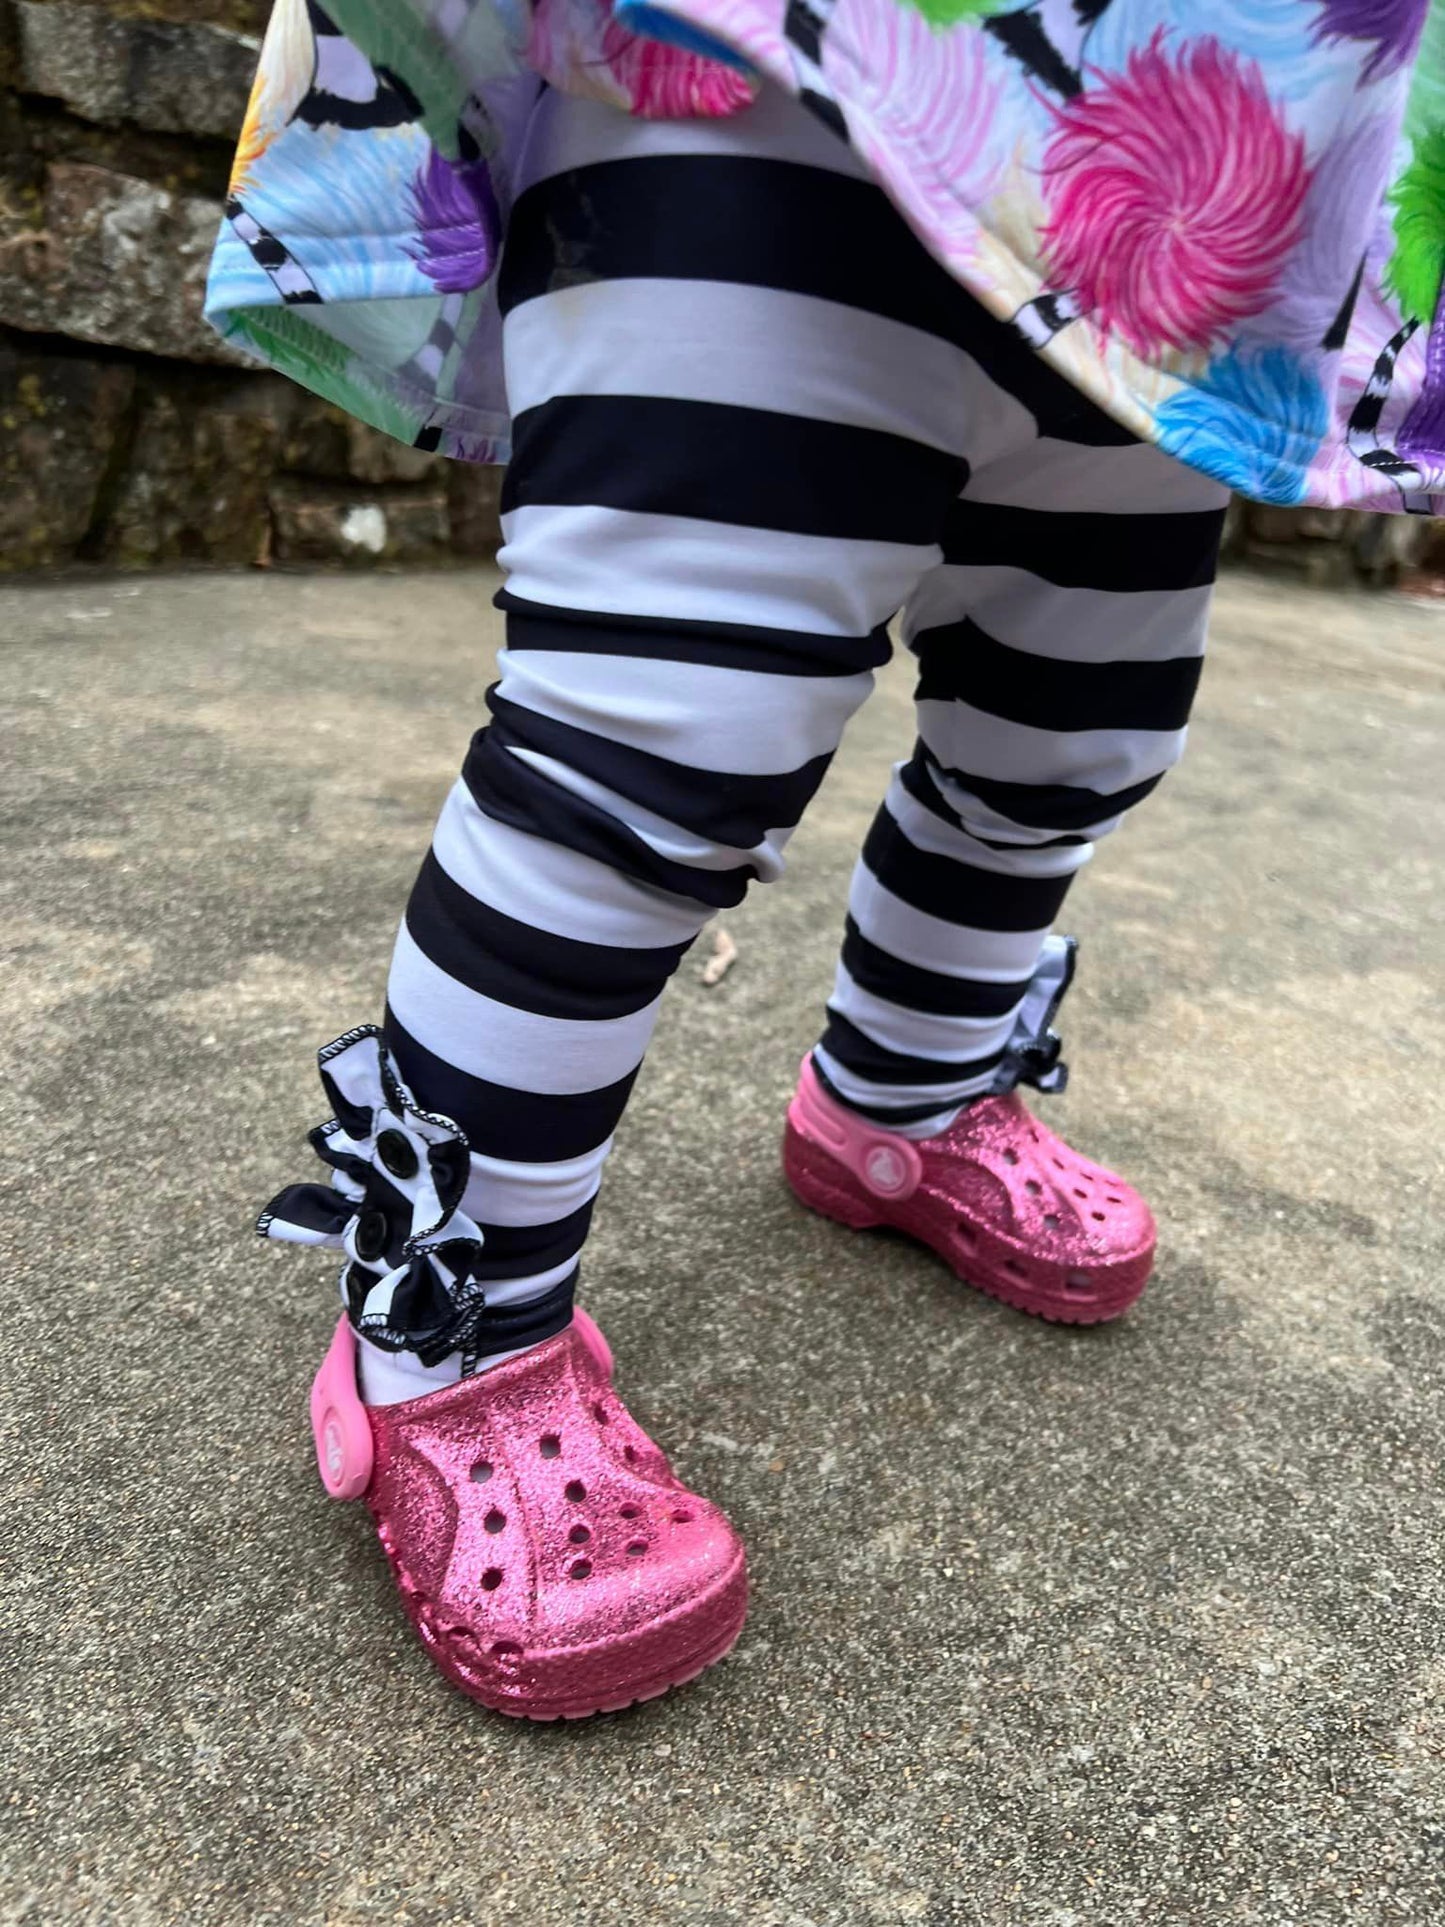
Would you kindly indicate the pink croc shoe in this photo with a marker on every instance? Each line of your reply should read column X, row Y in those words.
column 548, row 1557
column 1001, row 1200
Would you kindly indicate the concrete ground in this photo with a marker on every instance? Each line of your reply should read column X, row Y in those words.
column 1050, row 1628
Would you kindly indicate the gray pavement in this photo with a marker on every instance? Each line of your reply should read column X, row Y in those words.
column 1050, row 1628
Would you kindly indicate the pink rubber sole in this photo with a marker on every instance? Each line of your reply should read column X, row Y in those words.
column 681, row 1672
column 813, row 1177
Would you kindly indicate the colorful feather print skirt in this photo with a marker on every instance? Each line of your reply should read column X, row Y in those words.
column 1223, row 220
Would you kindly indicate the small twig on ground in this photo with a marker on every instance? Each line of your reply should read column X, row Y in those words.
column 724, row 956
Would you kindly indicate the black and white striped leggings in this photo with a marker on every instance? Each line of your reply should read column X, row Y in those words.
column 754, row 420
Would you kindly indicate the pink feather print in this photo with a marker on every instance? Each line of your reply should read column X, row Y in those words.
column 952, row 84
column 669, row 83
column 1175, row 191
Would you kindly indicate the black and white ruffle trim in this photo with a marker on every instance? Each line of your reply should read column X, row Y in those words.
column 393, row 1206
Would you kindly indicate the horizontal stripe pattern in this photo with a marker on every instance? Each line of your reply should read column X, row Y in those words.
column 763, row 469
column 505, row 1121
column 1086, row 549
column 753, row 420
column 601, row 561
column 722, row 645
column 709, row 717
column 697, row 341
column 958, row 892
column 514, row 963
column 675, row 217
column 960, row 662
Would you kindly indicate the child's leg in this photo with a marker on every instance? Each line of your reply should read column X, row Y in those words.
column 730, row 470
column 1060, row 644
column 1059, row 648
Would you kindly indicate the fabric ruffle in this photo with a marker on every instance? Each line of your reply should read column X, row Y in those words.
column 394, row 1208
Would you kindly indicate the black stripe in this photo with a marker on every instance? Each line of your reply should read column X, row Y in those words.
column 736, row 810
column 959, row 892
column 518, row 1251
column 960, row 662
column 501, row 1122
column 883, row 975
column 773, row 224
column 1049, row 806
column 916, row 777
column 749, row 468
column 865, row 1058
column 515, row 793
column 1122, row 553
column 720, row 645
column 506, row 1328
column 894, row 1114
column 526, row 968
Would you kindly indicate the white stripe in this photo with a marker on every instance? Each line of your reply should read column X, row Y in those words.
column 858, row 1090
column 986, row 822
column 1070, row 625
column 927, row 832
column 566, row 132
column 553, row 888
column 1006, row 752
column 957, row 950
column 504, row 1193
column 1067, row 477
column 668, row 839
column 918, row 1033
column 740, row 347
column 549, row 1056
column 734, row 722
column 611, row 561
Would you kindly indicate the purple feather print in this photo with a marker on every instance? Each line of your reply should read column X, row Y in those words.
column 1422, row 434
column 1393, row 25
column 1339, row 214
column 458, row 224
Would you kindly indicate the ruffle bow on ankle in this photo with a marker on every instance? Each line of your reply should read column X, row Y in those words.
column 394, row 1208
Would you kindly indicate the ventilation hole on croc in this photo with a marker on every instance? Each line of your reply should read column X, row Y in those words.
column 629, row 1452
column 964, row 1236
column 1058, row 1164
column 575, row 1491
column 1097, row 1216
column 579, row 1535
column 1033, row 1187
column 550, row 1446
column 1013, row 1265
column 1051, row 1219
column 637, row 1548
column 494, row 1521
column 1109, row 1198
column 581, row 1568
column 682, row 1517
column 505, row 1648
column 599, row 1412
column 1033, row 1134
column 1010, row 1157
column 1081, row 1194
column 491, row 1578
column 628, row 1511
column 482, row 1471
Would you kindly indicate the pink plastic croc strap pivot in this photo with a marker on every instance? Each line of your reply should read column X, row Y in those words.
column 884, row 1163
column 339, row 1423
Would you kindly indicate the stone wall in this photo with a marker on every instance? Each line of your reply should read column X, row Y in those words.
column 129, row 434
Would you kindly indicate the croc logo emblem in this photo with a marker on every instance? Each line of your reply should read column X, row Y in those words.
column 332, row 1447
column 885, row 1169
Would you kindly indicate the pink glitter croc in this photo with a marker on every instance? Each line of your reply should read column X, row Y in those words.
column 998, row 1196
column 551, row 1562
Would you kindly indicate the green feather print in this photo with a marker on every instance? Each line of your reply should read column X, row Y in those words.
column 1418, row 198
